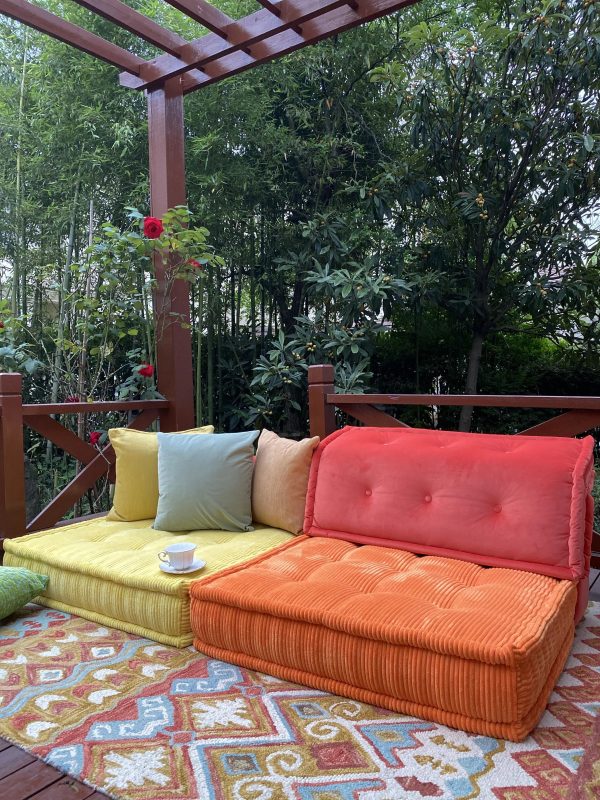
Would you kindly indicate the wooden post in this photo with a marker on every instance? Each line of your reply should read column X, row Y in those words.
column 171, row 304
column 321, row 413
column 12, row 467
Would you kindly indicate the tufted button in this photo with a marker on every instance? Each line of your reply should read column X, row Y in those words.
column 427, row 498
column 368, row 492
column 498, row 508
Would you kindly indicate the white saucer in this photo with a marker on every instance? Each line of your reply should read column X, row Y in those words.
column 195, row 565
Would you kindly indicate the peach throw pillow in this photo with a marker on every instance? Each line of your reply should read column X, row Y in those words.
column 280, row 481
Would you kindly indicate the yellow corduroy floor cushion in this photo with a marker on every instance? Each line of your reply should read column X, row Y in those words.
column 108, row 571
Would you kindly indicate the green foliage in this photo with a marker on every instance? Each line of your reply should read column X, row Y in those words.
column 181, row 248
column 500, row 191
column 18, row 358
column 346, row 298
column 387, row 199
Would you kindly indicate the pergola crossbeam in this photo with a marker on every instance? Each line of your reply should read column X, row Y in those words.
column 288, row 41
column 270, row 7
column 120, row 14
column 247, row 34
column 67, row 32
column 204, row 13
column 279, row 27
column 274, row 9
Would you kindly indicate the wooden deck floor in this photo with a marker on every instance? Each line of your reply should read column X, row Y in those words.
column 24, row 777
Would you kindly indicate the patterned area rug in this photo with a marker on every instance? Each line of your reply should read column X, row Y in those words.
column 147, row 722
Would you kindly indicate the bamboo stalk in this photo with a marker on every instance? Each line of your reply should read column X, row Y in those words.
column 199, row 335
column 82, row 418
column 253, row 290
column 18, row 271
column 210, row 332
column 219, row 351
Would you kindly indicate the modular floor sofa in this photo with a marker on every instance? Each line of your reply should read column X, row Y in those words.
column 440, row 574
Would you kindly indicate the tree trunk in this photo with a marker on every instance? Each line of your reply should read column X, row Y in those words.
column 238, row 300
column 36, row 317
column 83, row 360
column 62, row 305
column 83, row 355
column 232, row 297
column 32, row 491
column 263, row 319
column 199, row 335
column 466, row 412
column 263, row 314
column 270, row 322
column 253, row 291
column 417, row 345
column 220, row 323
column 210, row 346
column 18, row 267
column 63, row 311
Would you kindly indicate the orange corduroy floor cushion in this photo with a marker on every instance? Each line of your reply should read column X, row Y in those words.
column 471, row 647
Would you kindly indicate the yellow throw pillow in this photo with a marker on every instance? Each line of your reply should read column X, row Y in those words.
column 136, row 483
column 280, row 481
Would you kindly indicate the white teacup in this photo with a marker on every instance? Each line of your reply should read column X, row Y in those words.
column 179, row 555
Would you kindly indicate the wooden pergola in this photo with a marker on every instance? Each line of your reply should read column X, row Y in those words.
column 276, row 28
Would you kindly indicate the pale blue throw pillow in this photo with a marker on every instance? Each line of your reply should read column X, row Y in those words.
column 204, row 482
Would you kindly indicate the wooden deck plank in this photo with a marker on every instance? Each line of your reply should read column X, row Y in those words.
column 31, row 778
column 12, row 759
column 25, row 777
column 68, row 789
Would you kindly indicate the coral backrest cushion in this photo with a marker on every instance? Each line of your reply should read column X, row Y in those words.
column 516, row 501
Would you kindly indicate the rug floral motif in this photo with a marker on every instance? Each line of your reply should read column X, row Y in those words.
column 143, row 721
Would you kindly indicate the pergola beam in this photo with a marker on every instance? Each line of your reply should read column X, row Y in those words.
column 250, row 31
column 270, row 6
column 288, row 42
column 138, row 24
column 204, row 13
column 275, row 9
column 67, row 32
column 278, row 28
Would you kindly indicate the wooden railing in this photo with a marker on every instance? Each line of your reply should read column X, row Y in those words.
column 579, row 414
column 94, row 462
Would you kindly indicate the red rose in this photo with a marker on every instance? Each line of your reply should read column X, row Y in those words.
column 1, row 324
column 72, row 398
column 95, row 437
column 147, row 370
column 191, row 262
column 153, row 227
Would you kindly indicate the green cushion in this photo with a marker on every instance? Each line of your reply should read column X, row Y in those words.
column 204, row 482
column 17, row 587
